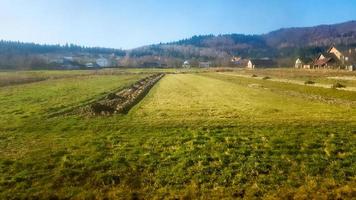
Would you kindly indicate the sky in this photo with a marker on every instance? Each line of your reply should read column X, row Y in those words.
column 128, row 24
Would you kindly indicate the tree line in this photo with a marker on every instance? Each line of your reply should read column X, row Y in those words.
column 11, row 47
column 20, row 55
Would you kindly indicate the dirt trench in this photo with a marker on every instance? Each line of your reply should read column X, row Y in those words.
column 124, row 100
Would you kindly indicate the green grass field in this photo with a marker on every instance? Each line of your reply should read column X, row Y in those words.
column 330, row 77
column 22, row 77
column 195, row 135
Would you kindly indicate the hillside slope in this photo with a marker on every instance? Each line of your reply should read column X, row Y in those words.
column 323, row 35
column 284, row 44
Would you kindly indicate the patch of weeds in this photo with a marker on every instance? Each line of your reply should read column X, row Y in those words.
column 108, row 179
column 338, row 85
column 224, row 70
column 309, row 82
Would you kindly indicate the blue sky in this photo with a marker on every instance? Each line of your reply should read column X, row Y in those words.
column 132, row 23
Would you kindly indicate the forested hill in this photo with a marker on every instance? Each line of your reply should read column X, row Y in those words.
column 283, row 45
column 7, row 47
column 322, row 35
column 20, row 55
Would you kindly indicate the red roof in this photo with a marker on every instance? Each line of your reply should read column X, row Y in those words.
column 322, row 62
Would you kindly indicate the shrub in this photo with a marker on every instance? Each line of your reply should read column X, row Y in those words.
column 266, row 78
column 224, row 70
column 338, row 85
column 254, row 75
column 309, row 82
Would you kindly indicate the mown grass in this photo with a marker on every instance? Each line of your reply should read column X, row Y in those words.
column 319, row 76
column 23, row 77
column 194, row 136
column 210, row 98
column 41, row 99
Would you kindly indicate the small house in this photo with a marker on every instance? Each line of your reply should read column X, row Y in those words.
column 326, row 60
column 260, row 63
column 298, row 64
column 89, row 65
column 102, row 62
column 204, row 64
column 68, row 58
column 150, row 64
column 303, row 63
column 238, row 62
column 235, row 59
column 186, row 64
column 335, row 59
column 334, row 51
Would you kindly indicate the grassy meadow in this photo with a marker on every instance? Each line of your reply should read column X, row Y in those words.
column 194, row 136
column 22, row 77
column 322, row 76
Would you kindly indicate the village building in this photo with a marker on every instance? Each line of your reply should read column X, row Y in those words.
column 204, row 64
column 68, row 58
column 235, row 59
column 186, row 64
column 333, row 58
column 89, row 65
column 260, row 63
column 102, row 62
column 149, row 64
column 298, row 64
column 238, row 62
column 303, row 63
column 326, row 61
column 56, row 60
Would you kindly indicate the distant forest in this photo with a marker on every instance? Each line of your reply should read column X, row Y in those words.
column 20, row 55
column 10, row 47
column 283, row 45
column 221, row 48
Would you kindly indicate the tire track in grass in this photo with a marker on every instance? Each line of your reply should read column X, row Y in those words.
column 353, row 89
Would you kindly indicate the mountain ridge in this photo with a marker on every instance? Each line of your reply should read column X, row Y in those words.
column 284, row 45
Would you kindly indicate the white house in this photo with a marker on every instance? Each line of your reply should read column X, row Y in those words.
column 260, row 63
column 250, row 65
column 89, row 65
column 103, row 62
column 303, row 64
column 68, row 58
column 186, row 64
column 298, row 63
column 204, row 64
